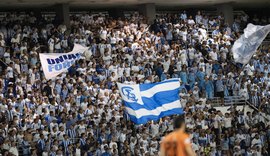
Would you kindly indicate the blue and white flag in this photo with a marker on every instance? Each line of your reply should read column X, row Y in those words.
column 54, row 64
column 244, row 48
column 146, row 102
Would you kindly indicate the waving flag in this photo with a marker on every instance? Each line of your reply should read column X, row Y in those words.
column 54, row 64
column 244, row 48
column 146, row 102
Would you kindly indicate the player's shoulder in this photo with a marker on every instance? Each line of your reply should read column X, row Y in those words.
column 182, row 135
column 185, row 134
column 185, row 138
column 170, row 136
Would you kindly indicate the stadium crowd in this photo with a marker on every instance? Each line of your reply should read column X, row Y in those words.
column 81, row 112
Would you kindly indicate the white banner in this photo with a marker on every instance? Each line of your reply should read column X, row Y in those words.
column 54, row 64
column 244, row 48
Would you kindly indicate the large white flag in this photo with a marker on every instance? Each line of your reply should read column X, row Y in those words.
column 54, row 64
column 244, row 48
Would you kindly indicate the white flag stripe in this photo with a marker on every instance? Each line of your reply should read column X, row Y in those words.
column 156, row 112
column 160, row 87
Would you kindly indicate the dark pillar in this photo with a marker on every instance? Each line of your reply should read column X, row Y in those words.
column 227, row 10
column 116, row 13
column 62, row 14
column 149, row 11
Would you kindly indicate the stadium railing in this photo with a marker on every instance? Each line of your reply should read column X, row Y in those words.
column 229, row 100
column 239, row 101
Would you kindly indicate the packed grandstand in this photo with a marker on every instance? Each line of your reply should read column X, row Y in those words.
column 80, row 112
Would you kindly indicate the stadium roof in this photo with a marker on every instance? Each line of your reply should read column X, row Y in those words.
column 127, row 3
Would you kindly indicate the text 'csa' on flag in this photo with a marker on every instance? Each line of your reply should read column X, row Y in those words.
column 146, row 102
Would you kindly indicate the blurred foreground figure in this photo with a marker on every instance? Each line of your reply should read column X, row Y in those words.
column 177, row 143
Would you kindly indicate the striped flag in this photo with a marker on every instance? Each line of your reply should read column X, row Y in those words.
column 146, row 102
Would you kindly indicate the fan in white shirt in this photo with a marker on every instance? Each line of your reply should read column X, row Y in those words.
column 10, row 73
column 84, row 104
column 144, row 143
column 191, row 53
column 83, row 41
column 102, row 48
column 202, row 65
column 153, row 147
column 132, row 144
column 198, row 18
column 190, row 21
column 7, row 57
column 103, row 33
column 198, row 56
column 166, row 64
column 113, row 143
column 224, row 51
column 121, row 70
column 51, row 44
column 250, row 69
column 57, row 44
column 183, row 33
column 227, row 121
column 214, row 56
column 154, row 129
column 64, row 43
column 114, row 77
column 107, row 58
column 122, row 137
column 81, row 128
column 183, row 56
column 13, row 149
column 16, row 39
column 217, row 121
column 195, row 146
column 256, row 141
column 113, row 68
column 3, row 42
column 135, row 68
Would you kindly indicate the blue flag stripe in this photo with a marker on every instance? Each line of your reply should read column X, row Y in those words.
column 145, row 119
column 156, row 101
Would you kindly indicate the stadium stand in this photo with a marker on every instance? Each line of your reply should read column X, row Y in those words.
column 81, row 112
